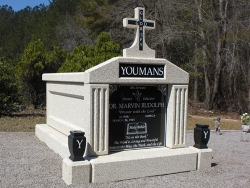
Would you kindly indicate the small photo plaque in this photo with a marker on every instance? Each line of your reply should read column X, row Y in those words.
column 137, row 128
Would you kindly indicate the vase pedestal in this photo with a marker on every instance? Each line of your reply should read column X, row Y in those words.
column 245, row 134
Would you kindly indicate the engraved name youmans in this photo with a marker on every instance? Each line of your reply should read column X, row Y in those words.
column 141, row 70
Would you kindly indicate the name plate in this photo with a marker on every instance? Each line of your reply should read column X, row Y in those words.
column 141, row 70
column 137, row 116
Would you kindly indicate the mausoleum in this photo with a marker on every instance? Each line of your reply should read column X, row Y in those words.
column 133, row 110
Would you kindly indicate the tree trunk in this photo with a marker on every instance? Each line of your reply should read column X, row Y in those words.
column 248, row 54
column 195, row 86
column 221, row 36
column 217, row 74
column 195, row 70
column 248, row 79
column 204, row 55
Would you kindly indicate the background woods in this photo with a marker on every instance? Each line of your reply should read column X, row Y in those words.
column 209, row 39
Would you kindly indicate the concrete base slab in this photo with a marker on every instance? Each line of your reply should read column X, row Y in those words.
column 123, row 165
column 204, row 159
column 75, row 172
column 141, row 163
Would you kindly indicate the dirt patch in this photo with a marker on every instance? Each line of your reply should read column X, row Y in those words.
column 197, row 114
column 22, row 121
column 198, row 109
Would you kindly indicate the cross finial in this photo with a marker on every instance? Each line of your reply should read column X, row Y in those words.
column 139, row 48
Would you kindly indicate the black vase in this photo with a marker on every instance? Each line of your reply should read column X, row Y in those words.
column 77, row 145
column 201, row 136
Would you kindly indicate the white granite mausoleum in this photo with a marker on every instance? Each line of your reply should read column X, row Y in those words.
column 80, row 101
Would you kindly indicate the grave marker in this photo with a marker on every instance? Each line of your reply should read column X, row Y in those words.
column 136, row 104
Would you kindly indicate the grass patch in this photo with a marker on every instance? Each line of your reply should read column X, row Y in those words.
column 22, row 122
column 226, row 124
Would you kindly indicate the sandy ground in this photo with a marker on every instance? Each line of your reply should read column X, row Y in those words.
column 27, row 162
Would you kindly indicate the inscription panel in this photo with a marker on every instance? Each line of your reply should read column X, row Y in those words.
column 136, row 116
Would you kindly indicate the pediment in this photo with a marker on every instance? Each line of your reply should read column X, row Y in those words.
column 108, row 72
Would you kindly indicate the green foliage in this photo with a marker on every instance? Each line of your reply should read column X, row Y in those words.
column 96, row 15
column 105, row 48
column 65, row 6
column 85, row 57
column 8, row 85
column 75, row 61
column 30, row 71
column 54, row 59
column 17, row 29
column 36, row 61
column 6, row 21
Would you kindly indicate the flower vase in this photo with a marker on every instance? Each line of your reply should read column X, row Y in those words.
column 77, row 145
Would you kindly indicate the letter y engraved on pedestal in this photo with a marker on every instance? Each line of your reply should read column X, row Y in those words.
column 79, row 143
column 205, row 134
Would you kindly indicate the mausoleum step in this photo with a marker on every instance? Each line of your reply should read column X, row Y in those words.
column 54, row 139
column 141, row 163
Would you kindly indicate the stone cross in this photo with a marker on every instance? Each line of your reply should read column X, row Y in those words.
column 139, row 23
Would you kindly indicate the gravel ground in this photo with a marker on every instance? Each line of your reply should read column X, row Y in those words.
column 27, row 162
